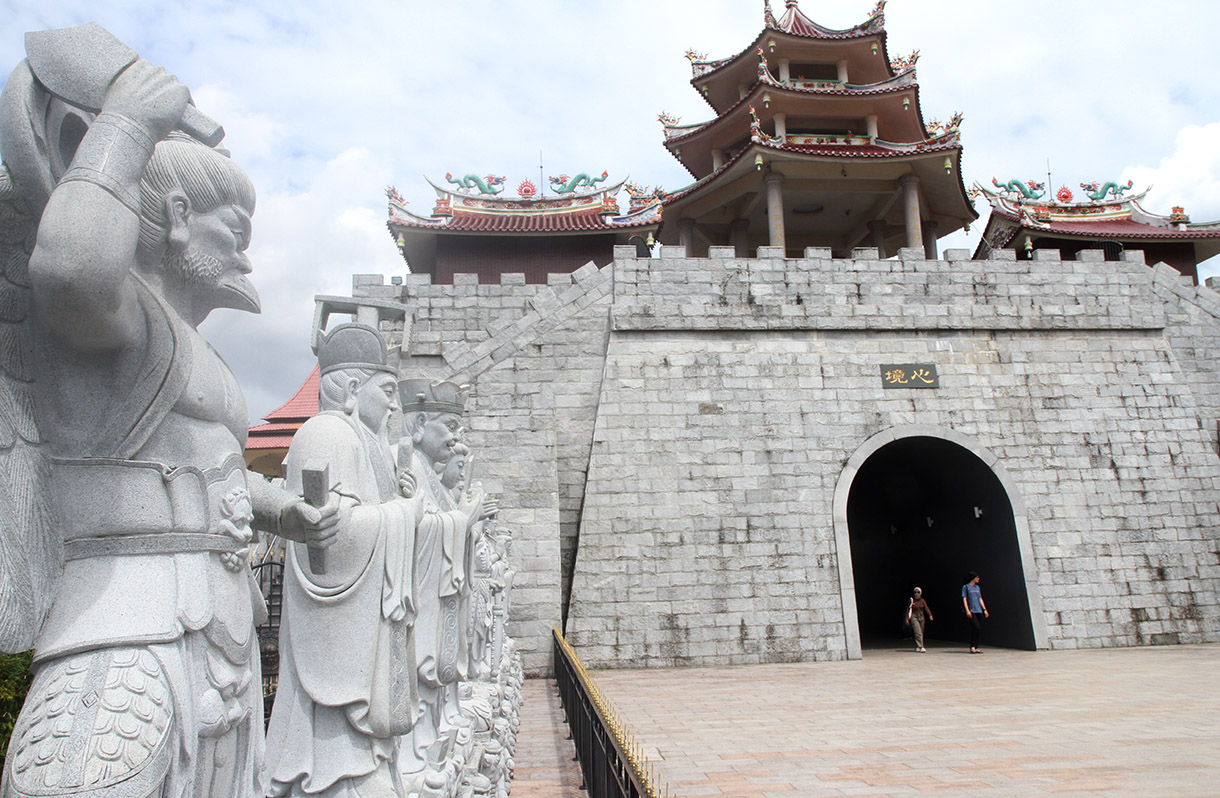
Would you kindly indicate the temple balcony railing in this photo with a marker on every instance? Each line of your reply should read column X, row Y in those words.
column 612, row 761
column 814, row 84
column 827, row 139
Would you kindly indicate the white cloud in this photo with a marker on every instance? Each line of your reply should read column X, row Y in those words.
column 324, row 107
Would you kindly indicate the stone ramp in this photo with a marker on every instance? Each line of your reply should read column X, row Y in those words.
column 1113, row 722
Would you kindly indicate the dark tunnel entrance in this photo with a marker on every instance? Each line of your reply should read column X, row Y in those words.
column 923, row 511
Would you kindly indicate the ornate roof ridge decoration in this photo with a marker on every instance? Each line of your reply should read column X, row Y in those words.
column 757, row 134
column 902, row 64
column 569, row 211
column 488, row 185
column 643, row 197
column 1105, row 203
column 936, row 129
column 563, row 184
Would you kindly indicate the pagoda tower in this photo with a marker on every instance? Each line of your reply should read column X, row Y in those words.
column 818, row 141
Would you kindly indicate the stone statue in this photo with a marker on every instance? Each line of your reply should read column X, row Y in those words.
column 432, row 428
column 127, row 510
column 347, row 685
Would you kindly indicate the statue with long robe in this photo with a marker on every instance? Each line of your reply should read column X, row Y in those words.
column 347, row 684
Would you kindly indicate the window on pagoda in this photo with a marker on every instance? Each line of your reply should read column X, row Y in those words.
column 808, row 126
column 813, row 73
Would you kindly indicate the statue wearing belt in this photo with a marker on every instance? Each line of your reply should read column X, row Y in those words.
column 127, row 510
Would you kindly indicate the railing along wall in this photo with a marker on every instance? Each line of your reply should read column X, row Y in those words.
column 612, row 761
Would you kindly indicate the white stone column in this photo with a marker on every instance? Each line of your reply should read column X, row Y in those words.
column 842, row 65
column 785, row 73
column 717, row 159
column 686, row 235
column 740, row 230
column 781, row 125
column 871, row 121
column 929, row 238
column 775, row 208
column 742, row 91
column 910, row 208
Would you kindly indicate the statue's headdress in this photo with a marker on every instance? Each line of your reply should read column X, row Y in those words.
column 432, row 396
column 353, row 346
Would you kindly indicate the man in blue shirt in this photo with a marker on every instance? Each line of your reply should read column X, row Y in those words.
column 976, row 609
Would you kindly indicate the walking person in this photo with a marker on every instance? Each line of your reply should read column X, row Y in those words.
column 918, row 614
column 976, row 609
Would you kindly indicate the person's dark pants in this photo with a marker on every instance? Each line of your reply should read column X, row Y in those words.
column 976, row 628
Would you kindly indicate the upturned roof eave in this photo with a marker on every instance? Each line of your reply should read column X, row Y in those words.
column 681, row 196
column 855, row 93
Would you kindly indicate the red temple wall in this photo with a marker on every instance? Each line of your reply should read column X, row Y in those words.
column 491, row 256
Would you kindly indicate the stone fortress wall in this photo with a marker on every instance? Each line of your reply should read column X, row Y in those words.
column 674, row 439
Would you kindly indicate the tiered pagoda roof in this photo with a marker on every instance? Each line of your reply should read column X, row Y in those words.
column 1023, row 218
column 267, row 444
column 578, row 206
column 829, row 113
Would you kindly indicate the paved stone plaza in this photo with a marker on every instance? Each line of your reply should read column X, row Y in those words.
column 1113, row 722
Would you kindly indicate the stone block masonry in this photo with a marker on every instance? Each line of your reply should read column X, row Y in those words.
column 674, row 431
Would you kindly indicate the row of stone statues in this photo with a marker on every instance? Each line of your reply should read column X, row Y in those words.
column 383, row 627
column 127, row 515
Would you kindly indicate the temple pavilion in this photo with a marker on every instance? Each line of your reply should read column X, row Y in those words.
column 818, row 140
column 1103, row 217
column 267, row 444
column 473, row 229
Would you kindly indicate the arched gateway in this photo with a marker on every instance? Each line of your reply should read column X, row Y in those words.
column 924, row 505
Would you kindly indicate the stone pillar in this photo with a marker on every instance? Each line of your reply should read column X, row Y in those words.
column 871, row 121
column 781, row 125
column 910, row 208
column 842, row 65
column 742, row 91
column 740, row 231
column 877, row 228
column 929, row 238
column 717, row 159
column 775, row 208
column 785, row 73
column 686, row 235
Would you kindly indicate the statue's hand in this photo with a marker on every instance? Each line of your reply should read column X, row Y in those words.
column 471, row 505
column 406, row 484
column 147, row 95
column 490, row 509
column 314, row 526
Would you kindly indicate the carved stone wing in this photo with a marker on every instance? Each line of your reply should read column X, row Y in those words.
column 30, row 547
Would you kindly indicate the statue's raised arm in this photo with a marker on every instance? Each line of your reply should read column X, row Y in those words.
column 126, row 511
column 89, row 236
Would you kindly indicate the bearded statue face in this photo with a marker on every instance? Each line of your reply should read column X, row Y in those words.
column 207, row 253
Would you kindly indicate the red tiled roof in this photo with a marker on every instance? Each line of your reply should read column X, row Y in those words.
column 795, row 22
column 1127, row 228
column 303, row 404
column 268, row 442
column 264, row 429
column 586, row 220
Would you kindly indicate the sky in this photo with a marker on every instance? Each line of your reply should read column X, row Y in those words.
column 325, row 104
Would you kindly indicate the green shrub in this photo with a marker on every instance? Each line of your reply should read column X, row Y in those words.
column 15, row 681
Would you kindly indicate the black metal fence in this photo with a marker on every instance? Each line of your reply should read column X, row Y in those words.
column 612, row 764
